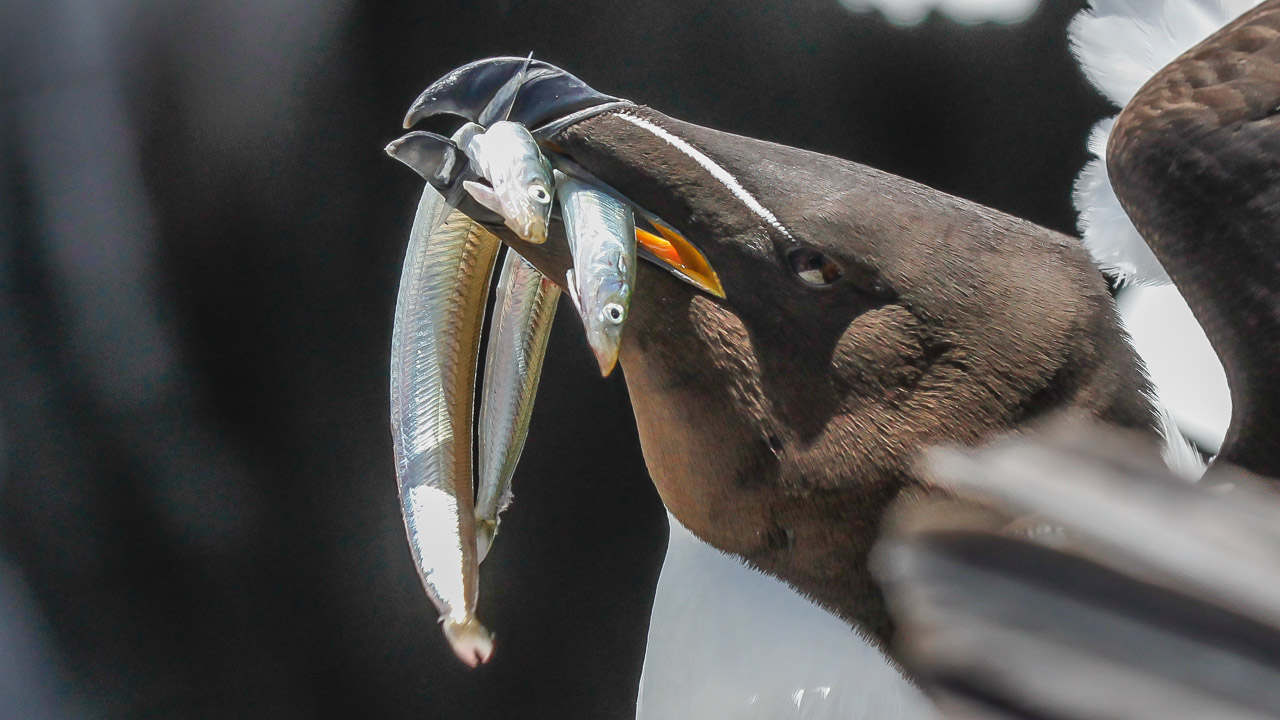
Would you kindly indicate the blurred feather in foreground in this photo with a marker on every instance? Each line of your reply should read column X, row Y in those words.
column 1118, row 590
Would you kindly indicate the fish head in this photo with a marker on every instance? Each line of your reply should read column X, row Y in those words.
column 520, row 187
column 601, row 291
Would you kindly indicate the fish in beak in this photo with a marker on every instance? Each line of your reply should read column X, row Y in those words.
column 519, row 179
column 518, row 334
column 804, row 326
column 434, row 349
column 601, row 231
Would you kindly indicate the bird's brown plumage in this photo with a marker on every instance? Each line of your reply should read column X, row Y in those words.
column 780, row 423
column 1195, row 161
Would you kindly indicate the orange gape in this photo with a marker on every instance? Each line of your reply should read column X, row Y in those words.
column 674, row 250
column 661, row 249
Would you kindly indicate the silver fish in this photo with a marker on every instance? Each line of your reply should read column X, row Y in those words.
column 602, row 239
column 434, row 354
column 508, row 157
column 521, row 326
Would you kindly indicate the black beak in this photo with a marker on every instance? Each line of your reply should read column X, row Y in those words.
column 436, row 158
column 548, row 101
column 543, row 97
column 444, row 166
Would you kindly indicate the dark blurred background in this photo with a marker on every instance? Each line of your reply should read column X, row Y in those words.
column 200, row 241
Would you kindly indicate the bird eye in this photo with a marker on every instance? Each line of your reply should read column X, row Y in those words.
column 813, row 267
column 539, row 193
column 615, row 313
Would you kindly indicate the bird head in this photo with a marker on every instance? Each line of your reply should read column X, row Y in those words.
column 816, row 325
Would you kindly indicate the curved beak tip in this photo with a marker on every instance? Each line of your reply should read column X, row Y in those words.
column 412, row 117
column 418, row 111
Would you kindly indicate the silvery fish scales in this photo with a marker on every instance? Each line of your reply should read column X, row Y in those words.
column 521, row 325
column 434, row 354
column 602, row 240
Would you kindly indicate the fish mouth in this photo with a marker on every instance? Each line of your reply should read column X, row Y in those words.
column 528, row 225
column 549, row 102
column 606, row 354
column 532, row 229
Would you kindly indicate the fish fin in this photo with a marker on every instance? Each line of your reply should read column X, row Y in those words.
column 465, row 135
column 499, row 108
column 571, row 282
column 484, row 195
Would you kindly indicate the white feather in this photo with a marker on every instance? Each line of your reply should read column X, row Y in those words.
column 727, row 642
column 913, row 12
column 1108, row 234
column 1179, row 454
column 1188, row 377
column 1120, row 44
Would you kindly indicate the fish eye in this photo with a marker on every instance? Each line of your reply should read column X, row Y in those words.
column 539, row 193
column 813, row 267
column 615, row 313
